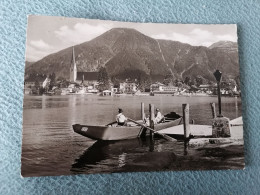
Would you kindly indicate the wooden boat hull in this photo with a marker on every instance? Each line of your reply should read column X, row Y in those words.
column 119, row 132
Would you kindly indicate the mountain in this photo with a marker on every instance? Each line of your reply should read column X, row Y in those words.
column 127, row 53
column 28, row 64
column 227, row 46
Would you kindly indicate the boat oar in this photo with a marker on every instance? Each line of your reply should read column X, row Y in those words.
column 161, row 134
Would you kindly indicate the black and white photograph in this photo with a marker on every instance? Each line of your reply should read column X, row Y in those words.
column 111, row 97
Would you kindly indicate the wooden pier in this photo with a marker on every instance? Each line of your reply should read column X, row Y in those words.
column 206, row 130
column 202, row 134
column 199, row 135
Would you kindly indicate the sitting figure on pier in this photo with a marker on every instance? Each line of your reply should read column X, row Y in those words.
column 120, row 118
column 159, row 118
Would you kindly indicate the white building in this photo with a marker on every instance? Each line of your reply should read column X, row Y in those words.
column 128, row 87
column 159, row 87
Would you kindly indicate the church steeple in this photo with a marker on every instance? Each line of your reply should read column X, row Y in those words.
column 73, row 67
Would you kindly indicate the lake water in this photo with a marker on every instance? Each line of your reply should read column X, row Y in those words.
column 50, row 146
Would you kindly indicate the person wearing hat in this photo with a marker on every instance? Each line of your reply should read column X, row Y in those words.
column 120, row 118
column 158, row 116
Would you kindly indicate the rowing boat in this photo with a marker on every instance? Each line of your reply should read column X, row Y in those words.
column 131, row 130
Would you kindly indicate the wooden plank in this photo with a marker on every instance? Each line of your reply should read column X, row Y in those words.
column 236, row 129
column 238, row 120
column 195, row 130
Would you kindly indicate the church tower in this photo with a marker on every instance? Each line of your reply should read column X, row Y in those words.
column 73, row 67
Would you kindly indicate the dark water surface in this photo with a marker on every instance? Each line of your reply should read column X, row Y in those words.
column 50, row 147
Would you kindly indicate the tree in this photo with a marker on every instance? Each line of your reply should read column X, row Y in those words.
column 41, row 90
column 168, row 80
column 199, row 80
column 52, row 78
column 237, row 79
column 103, row 79
column 116, row 82
column 225, row 84
column 37, row 84
column 194, row 82
column 187, row 80
column 178, row 82
column 62, row 82
column 52, row 83
column 144, row 82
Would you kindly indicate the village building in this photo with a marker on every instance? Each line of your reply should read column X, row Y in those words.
column 82, row 78
column 161, row 88
column 169, row 89
column 87, row 78
column 224, row 92
column 34, row 79
column 207, row 87
column 156, row 86
column 46, row 82
column 128, row 87
column 114, row 89
column 107, row 93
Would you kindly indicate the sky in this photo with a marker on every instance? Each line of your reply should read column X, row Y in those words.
column 50, row 34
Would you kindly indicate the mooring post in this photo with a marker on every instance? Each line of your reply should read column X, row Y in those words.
column 186, row 118
column 220, row 125
column 151, row 110
column 213, row 109
column 142, row 111
column 218, row 76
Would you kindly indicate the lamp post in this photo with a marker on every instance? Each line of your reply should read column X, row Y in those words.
column 218, row 75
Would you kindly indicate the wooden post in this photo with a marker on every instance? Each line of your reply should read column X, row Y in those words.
column 218, row 76
column 219, row 99
column 213, row 109
column 151, row 110
column 142, row 111
column 186, row 124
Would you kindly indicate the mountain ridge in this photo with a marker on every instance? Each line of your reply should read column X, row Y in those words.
column 123, row 49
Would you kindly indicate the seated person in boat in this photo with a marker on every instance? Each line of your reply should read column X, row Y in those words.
column 120, row 118
column 159, row 118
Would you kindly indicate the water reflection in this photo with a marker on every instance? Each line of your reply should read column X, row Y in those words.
column 186, row 143
column 101, row 151
column 122, row 160
column 151, row 145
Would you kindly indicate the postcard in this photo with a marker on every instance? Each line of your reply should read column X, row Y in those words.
column 105, row 96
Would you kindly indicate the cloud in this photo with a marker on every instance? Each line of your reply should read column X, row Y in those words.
column 196, row 37
column 40, row 44
column 80, row 32
column 201, row 34
column 174, row 37
column 37, row 49
column 33, row 54
column 227, row 38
